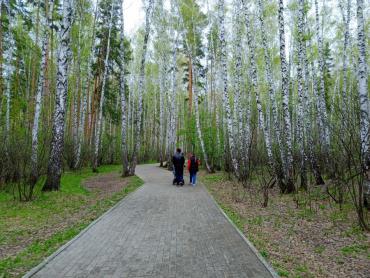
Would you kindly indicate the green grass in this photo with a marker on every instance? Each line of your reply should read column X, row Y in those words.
column 213, row 178
column 234, row 217
column 319, row 249
column 354, row 249
column 20, row 220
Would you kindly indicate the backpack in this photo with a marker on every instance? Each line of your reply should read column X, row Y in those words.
column 194, row 164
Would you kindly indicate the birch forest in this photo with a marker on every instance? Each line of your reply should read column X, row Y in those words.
column 272, row 89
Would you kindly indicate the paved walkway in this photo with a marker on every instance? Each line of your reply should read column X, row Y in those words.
column 159, row 231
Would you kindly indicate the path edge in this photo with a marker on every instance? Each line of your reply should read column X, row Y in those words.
column 246, row 240
column 41, row 265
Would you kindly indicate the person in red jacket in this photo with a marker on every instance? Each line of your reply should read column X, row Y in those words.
column 193, row 167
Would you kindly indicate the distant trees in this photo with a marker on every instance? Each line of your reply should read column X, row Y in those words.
column 282, row 93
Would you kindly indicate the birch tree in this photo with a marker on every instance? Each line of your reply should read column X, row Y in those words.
column 364, row 102
column 198, row 127
column 85, row 91
column 57, row 144
column 39, row 93
column 301, row 92
column 226, row 100
column 325, row 135
column 346, row 16
column 99, row 120
column 285, row 99
column 270, row 83
column 8, row 71
column 125, row 164
column 254, row 76
column 138, row 119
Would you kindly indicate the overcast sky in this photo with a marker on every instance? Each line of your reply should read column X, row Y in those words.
column 134, row 15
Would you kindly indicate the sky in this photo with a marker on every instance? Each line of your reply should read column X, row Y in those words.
column 134, row 15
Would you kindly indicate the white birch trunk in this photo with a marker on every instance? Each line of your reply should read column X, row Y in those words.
column 325, row 133
column 285, row 96
column 137, row 143
column 39, row 96
column 270, row 83
column 172, row 101
column 226, row 100
column 254, row 77
column 308, row 110
column 85, row 89
column 238, row 115
column 99, row 120
column 346, row 22
column 125, row 164
column 57, row 144
column 301, row 91
column 75, row 122
column 364, row 101
column 8, row 71
column 197, row 120
column 162, row 141
column 7, row 113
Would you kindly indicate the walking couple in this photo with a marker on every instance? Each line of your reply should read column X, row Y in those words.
column 178, row 161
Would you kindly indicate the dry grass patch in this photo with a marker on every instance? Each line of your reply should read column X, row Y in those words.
column 315, row 239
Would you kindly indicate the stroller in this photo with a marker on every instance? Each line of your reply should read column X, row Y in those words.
column 178, row 161
column 178, row 179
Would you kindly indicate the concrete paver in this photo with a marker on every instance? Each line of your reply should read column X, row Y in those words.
column 159, row 231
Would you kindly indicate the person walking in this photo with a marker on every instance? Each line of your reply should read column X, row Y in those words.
column 178, row 162
column 193, row 167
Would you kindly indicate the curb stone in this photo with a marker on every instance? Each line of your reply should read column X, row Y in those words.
column 246, row 240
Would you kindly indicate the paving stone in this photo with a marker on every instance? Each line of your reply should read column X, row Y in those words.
column 159, row 231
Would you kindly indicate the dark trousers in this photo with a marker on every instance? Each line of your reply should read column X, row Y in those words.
column 179, row 176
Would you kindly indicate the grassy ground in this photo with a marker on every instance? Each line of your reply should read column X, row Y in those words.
column 30, row 231
column 315, row 239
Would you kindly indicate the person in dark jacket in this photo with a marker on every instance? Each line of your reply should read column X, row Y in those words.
column 178, row 161
column 193, row 167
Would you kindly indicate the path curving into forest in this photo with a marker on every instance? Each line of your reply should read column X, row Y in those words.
column 158, row 231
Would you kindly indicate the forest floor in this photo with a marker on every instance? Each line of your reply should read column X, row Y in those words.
column 30, row 231
column 315, row 239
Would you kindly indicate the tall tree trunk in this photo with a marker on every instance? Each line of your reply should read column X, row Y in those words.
column 226, row 100
column 86, row 94
column 269, row 78
column 190, row 83
column 173, row 93
column 301, row 92
column 1, row 58
column 238, row 115
column 254, row 76
column 99, row 120
column 364, row 102
column 77, row 99
column 162, row 91
column 8, row 72
column 122, row 85
column 198, row 127
column 57, row 144
column 285, row 95
column 346, row 22
column 136, row 150
column 309, row 107
column 39, row 93
column 325, row 134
